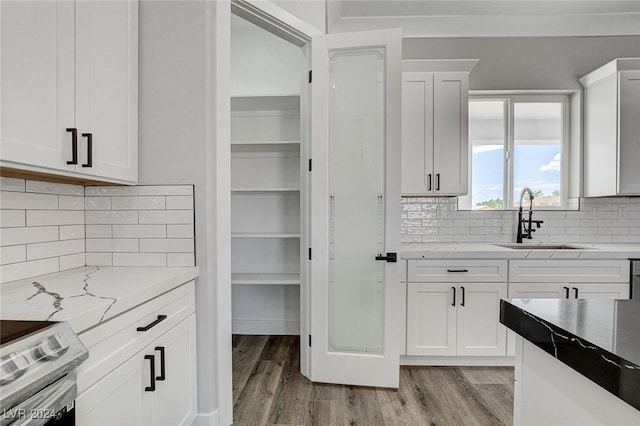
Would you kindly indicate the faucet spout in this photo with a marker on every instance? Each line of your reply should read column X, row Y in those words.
column 520, row 232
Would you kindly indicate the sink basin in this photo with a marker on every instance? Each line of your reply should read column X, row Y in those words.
column 540, row 246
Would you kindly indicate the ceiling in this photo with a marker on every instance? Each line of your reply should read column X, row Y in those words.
column 476, row 18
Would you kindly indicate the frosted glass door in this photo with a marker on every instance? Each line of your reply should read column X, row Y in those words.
column 355, row 203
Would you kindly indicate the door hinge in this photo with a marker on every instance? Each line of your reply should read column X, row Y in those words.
column 309, row 253
column 309, row 76
column 309, row 164
column 309, row 340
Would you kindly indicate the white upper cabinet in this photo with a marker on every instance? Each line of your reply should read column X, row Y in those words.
column 78, row 71
column 435, row 96
column 612, row 129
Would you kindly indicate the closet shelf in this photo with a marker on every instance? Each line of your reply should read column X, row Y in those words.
column 265, row 142
column 291, row 189
column 263, row 235
column 269, row 279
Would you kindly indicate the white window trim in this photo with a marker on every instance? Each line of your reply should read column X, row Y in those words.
column 510, row 97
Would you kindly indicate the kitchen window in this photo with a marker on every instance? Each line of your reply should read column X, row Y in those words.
column 517, row 141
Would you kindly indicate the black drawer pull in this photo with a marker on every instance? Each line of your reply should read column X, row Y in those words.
column 162, row 371
column 89, row 162
column 575, row 292
column 153, row 324
column 454, row 296
column 457, row 270
column 152, row 371
column 463, row 296
column 74, row 145
column 566, row 292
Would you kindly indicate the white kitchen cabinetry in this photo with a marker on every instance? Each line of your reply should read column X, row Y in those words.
column 569, row 290
column 453, row 307
column 78, row 71
column 434, row 127
column 612, row 129
column 266, row 214
column 142, row 368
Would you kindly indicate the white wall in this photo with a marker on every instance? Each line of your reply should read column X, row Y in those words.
column 525, row 63
column 310, row 11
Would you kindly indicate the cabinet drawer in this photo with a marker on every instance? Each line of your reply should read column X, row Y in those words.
column 576, row 271
column 112, row 343
column 457, row 271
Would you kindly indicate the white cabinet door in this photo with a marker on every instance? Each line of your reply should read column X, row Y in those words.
column 431, row 319
column 417, row 133
column 450, row 133
column 479, row 328
column 37, row 75
column 107, row 87
column 120, row 398
column 175, row 398
column 599, row 291
column 629, row 132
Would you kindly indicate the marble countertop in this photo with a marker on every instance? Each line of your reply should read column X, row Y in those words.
column 598, row 338
column 494, row 251
column 87, row 296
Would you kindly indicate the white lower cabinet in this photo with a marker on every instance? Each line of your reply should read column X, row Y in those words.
column 569, row 290
column 142, row 365
column 446, row 319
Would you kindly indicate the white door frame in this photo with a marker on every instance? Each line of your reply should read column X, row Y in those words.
column 272, row 18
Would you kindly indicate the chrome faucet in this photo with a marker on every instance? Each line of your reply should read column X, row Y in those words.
column 526, row 233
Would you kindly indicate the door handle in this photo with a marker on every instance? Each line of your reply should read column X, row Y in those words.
column 390, row 257
column 152, row 371
column 74, row 145
column 429, row 182
column 454, row 296
column 89, row 137
column 437, row 181
column 575, row 292
column 162, row 370
column 463, row 296
column 566, row 292
column 457, row 270
column 153, row 324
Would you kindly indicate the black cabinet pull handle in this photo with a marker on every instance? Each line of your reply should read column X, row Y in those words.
column 454, row 296
column 437, row 181
column 89, row 137
column 457, row 270
column 390, row 257
column 74, row 145
column 153, row 324
column 575, row 292
column 566, row 292
column 463, row 296
column 162, row 375
column 429, row 182
column 152, row 371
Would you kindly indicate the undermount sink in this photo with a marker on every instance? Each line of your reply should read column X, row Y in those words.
column 540, row 246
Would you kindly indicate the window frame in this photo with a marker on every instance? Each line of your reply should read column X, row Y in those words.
column 510, row 98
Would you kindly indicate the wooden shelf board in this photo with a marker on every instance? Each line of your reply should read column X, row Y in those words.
column 265, row 142
column 265, row 279
column 265, row 189
column 264, row 235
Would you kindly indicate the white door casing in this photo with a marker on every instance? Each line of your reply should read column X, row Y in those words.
column 377, row 365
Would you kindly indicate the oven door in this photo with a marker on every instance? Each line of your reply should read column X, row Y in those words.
column 53, row 405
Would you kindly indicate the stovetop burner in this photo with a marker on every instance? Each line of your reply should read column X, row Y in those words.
column 11, row 330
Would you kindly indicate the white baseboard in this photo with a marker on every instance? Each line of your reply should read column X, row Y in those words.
column 207, row 419
column 479, row 361
column 266, row 326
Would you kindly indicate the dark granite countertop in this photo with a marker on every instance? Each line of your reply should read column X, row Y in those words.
column 598, row 338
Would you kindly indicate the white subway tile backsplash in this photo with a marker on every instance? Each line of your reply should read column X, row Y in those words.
column 72, row 261
column 27, row 201
column 180, row 231
column 97, row 203
column 112, row 245
column 12, row 218
column 70, row 202
column 54, row 217
column 140, row 259
column 166, row 216
column 181, row 202
column 139, row 231
column 180, row 259
column 14, row 236
column 111, row 217
column 11, row 184
column 99, row 259
column 13, row 254
column 108, row 191
column 166, row 190
column 18, row 271
column 54, row 249
column 98, row 231
column 166, row 246
column 138, row 203
column 71, row 232
column 54, row 188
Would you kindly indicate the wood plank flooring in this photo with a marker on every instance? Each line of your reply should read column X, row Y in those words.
column 268, row 389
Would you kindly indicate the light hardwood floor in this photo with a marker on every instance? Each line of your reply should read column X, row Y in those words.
column 268, row 389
